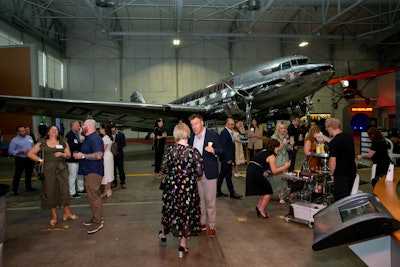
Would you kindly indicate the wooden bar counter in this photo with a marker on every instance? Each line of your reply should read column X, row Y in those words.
column 387, row 194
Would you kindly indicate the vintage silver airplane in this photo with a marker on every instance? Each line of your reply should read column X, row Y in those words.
column 268, row 89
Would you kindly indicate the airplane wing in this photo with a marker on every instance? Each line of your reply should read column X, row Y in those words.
column 138, row 116
column 363, row 75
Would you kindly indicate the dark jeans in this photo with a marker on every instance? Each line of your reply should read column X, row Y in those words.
column 226, row 172
column 119, row 165
column 292, row 157
column 342, row 186
column 22, row 164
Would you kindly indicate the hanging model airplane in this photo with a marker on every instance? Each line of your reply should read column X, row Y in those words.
column 349, row 84
column 263, row 91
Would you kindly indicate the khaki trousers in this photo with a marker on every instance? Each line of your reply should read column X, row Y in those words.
column 92, row 185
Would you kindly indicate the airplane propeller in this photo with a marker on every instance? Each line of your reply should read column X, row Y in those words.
column 247, row 98
column 349, row 86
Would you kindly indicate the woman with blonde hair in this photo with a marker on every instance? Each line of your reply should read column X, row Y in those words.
column 182, row 165
column 282, row 156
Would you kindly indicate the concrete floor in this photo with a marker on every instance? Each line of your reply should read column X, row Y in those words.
column 132, row 221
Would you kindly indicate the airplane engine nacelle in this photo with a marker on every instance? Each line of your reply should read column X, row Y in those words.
column 232, row 109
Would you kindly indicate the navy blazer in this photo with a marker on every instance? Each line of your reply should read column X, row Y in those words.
column 228, row 146
column 120, row 139
column 74, row 145
column 210, row 161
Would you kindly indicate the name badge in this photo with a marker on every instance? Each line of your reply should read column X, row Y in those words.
column 59, row 146
column 75, row 141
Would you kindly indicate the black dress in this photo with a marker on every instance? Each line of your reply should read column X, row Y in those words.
column 256, row 183
column 159, row 145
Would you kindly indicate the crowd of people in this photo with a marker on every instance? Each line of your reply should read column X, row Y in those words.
column 192, row 170
column 69, row 167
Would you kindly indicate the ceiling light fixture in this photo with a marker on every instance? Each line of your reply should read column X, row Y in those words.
column 105, row 3
column 176, row 41
column 303, row 44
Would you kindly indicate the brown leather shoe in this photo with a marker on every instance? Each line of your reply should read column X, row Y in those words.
column 123, row 186
column 211, row 232
column 113, row 185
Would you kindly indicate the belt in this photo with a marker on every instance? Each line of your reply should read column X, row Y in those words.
column 256, row 163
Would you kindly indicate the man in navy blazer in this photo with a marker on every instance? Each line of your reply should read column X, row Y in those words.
column 227, row 160
column 209, row 145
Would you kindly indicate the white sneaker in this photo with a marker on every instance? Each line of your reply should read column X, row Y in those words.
column 236, row 175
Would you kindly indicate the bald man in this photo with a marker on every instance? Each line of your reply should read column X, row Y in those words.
column 227, row 160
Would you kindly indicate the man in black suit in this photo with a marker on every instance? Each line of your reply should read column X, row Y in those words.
column 119, row 138
column 75, row 180
column 227, row 160
column 209, row 145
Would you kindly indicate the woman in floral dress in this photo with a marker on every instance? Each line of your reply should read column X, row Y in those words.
column 182, row 165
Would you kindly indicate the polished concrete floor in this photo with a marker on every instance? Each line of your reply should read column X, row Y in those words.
column 132, row 220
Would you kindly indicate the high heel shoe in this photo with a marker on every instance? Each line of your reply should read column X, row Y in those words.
column 71, row 217
column 109, row 193
column 259, row 214
column 181, row 251
column 163, row 240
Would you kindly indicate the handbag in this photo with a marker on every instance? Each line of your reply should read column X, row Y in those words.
column 163, row 184
column 114, row 148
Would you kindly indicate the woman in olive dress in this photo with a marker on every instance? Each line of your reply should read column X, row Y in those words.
column 55, row 187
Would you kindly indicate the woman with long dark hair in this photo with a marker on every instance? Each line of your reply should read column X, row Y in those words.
column 159, row 144
column 378, row 153
column 55, row 186
column 108, row 157
column 258, row 170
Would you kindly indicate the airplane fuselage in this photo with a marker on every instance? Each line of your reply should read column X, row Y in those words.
column 277, row 84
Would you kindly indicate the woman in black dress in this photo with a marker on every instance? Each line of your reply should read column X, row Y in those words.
column 182, row 165
column 262, row 165
column 378, row 153
column 159, row 144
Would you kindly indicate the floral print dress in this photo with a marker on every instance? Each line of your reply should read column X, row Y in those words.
column 181, row 201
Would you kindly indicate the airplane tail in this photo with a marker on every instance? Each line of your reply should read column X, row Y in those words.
column 137, row 97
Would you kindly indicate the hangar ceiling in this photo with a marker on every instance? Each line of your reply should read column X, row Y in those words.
column 373, row 24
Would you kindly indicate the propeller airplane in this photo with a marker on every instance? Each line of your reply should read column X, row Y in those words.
column 275, row 87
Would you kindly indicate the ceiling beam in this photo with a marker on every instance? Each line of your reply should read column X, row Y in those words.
column 240, row 35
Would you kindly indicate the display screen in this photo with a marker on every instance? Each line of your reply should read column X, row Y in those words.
column 353, row 211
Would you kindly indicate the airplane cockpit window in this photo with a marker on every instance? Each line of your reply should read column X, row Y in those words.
column 276, row 68
column 303, row 61
column 286, row 65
